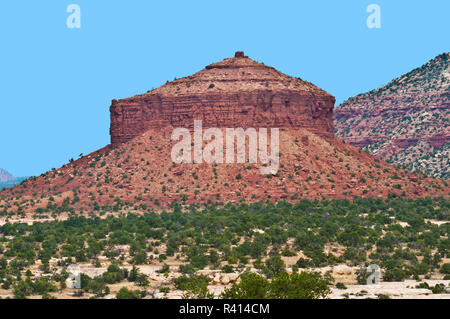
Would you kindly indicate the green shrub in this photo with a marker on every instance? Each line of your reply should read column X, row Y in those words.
column 125, row 293
column 445, row 269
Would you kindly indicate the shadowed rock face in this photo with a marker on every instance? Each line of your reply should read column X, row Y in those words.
column 236, row 92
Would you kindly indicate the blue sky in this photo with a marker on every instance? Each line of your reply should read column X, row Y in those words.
column 56, row 83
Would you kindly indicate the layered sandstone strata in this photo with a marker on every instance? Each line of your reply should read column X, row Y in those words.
column 405, row 121
column 236, row 92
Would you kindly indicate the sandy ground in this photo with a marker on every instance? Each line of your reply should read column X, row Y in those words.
column 395, row 290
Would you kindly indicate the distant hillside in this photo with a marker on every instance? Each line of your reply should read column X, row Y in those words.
column 13, row 182
column 5, row 176
column 8, row 180
column 406, row 121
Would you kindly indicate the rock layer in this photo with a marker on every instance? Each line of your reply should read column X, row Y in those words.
column 405, row 121
column 236, row 92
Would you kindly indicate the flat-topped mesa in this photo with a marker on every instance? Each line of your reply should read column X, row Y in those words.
column 235, row 92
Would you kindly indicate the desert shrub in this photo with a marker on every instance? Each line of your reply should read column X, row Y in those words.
column 304, row 285
column 438, row 289
column 340, row 285
column 395, row 274
column 125, row 293
column 284, row 286
column 252, row 286
column 274, row 266
column 194, row 286
column 445, row 269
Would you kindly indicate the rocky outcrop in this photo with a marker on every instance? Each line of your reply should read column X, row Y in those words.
column 406, row 121
column 236, row 92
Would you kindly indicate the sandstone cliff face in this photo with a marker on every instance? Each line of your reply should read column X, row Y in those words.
column 407, row 121
column 236, row 92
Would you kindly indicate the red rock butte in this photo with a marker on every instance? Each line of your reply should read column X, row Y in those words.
column 235, row 92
